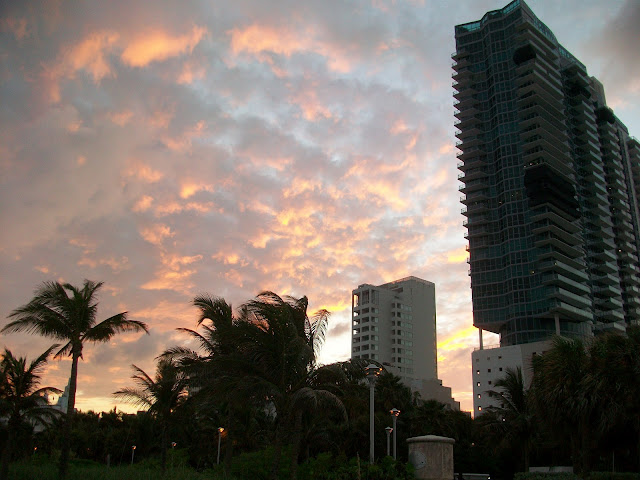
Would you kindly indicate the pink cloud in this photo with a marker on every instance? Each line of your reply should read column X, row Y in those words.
column 259, row 40
column 156, row 234
column 143, row 172
column 158, row 45
column 143, row 204
column 16, row 26
column 191, row 72
column 121, row 118
column 90, row 55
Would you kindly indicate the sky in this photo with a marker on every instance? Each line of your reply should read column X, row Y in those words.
column 174, row 148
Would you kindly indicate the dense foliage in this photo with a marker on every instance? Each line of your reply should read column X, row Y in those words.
column 254, row 372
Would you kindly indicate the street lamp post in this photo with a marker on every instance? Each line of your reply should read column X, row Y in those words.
column 133, row 452
column 394, row 415
column 388, row 430
column 220, row 430
column 372, row 371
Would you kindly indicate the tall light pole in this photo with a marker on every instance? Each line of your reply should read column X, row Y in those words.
column 372, row 371
column 388, row 430
column 394, row 416
column 133, row 452
column 220, row 430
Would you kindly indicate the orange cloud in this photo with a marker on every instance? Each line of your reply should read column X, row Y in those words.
column 189, row 189
column 261, row 240
column 398, row 127
column 16, row 26
column 166, row 315
column 83, row 243
column 300, row 186
column 143, row 204
column 121, row 118
column 446, row 148
column 116, row 265
column 234, row 277
column 161, row 119
column 184, row 142
column 412, row 142
column 191, row 72
column 258, row 39
column 171, row 280
column 175, row 262
column 229, row 259
column 154, row 46
column 311, row 106
column 144, row 172
column 457, row 256
column 89, row 55
column 465, row 338
column 173, row 207
column 156, row 234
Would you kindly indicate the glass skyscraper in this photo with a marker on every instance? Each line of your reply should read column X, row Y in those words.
column 551, row 182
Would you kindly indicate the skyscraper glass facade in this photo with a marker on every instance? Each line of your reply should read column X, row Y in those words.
column 550, row 184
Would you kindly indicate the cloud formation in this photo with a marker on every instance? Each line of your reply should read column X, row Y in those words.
column 300, row 147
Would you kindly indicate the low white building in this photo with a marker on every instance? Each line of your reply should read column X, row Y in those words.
column 490, row 363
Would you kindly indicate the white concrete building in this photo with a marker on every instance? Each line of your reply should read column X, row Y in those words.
column 490, row 364
column 395, row 324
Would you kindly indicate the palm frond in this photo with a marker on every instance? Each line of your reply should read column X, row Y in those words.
column 118, row 323
column 319, row 327
column 215, row 309
column 135, row 397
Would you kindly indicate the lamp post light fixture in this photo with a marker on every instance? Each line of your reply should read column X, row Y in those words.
column 388, row 430
column 173, row 445
column 394, row 416
column 220, row 430
column 133, row 452
column 372, row 371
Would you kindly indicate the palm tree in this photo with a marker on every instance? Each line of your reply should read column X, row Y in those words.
column 67, row 313
column 308, row 399
column 267, row 353
column 161, row 396
column 20, row 397
column 281, row 344
column 562, row 399
column 430, row 417
column 513, row 419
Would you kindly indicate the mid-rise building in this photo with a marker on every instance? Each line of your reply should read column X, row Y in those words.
column 395, row 324
column 551, row 185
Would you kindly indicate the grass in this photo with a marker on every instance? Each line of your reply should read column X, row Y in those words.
column 30, row 471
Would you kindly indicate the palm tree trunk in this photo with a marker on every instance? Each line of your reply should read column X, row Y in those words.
column 68, row 421
column 295, row 449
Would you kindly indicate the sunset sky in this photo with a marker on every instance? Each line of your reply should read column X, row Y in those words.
column 303, row 147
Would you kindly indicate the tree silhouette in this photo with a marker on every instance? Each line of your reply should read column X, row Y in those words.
column 21, row 398
column 67, row 313
column 161, row 396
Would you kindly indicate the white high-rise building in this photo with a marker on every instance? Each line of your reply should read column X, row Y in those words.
column 395, row 324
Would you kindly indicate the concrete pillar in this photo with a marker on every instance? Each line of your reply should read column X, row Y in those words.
column 432, row 457
column 480, row 338
column 557, row 319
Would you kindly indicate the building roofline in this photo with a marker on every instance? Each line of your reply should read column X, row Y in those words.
column 393, row 283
